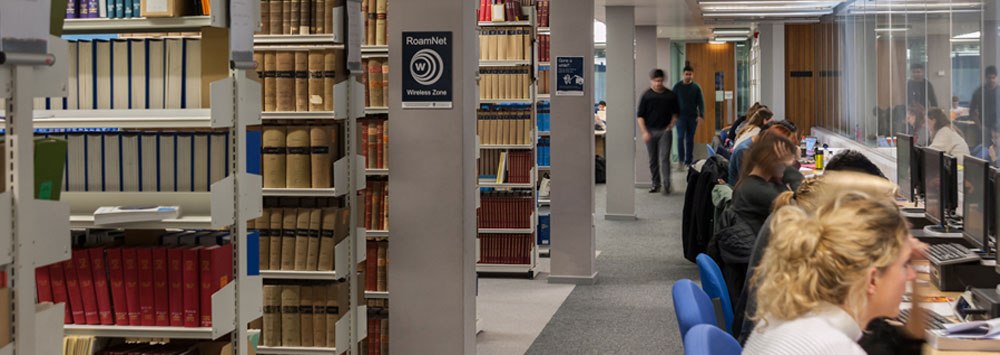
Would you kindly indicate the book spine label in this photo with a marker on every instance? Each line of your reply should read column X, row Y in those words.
column 73, row 288
column 116, row 278
column 85, row 278
column 161, row 287
column 191, row 291
column 97, row 263
column 147, row 298
column 59, row 292
column 43, row 284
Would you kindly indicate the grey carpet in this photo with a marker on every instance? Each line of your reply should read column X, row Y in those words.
column 629, row 310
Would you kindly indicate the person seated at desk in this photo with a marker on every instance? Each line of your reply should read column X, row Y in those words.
column 786, row 128
column 956, row 110
column 852, row 160
column 730, row 132
column 946, row 138
column 825, row 275
column 754, row 125
column 601, row 117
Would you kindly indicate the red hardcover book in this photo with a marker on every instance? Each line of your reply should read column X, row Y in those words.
column 58, row 281
column 216, row 271
column 368, row 206
column 378, row 336
column 130, row 266
column 191, row 285
column 147, row 300
column 175, row 277
column 43, row 283
column 379, row 146
column 73, row 288
column 161, row 292
column 116, row 279
column 101, row 290
column 364, row 132
column 86, row 281
column 371, row 265
column 372, row 325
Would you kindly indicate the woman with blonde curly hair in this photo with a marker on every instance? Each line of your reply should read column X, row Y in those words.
column 825, row 275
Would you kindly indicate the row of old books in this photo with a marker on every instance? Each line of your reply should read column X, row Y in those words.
column 297, row 17
column 376, row 82
column 505, row 83
column 543, row 150
column 505, row 209
column 543, row 48
column 377, row 342
column 300, row 80
column 505, row 248
column 300, row 239
column 149, row 286
column 505, row 43
column 518, row 165
column 504, row 124
column 375, row 14
column 103, row 8
column 302, row 315
column 376, row 205
column 489, row 162
column 542, row 8
column 375, row 141
column 376, row 265
column 299, row 156
column 543, row 117
column 174, row 347
column 500, row 10
column 544, row 79
column 144, row 161
column 135, row 73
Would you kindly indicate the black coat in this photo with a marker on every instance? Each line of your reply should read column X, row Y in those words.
column 699, row 212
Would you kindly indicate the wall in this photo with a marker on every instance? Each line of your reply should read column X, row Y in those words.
column 707, row 59
column 772, row 67
column 800, row 75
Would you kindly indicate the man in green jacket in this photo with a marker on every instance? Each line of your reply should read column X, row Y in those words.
column 692, row 104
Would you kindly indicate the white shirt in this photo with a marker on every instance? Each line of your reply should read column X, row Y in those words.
column 827, row 331
column 746, row 135
column 949, row 141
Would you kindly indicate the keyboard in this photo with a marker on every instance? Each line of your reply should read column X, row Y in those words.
column 934, row 320
column 950, row 253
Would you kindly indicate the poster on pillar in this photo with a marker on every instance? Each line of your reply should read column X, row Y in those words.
column 569, row 76
column 427, row 68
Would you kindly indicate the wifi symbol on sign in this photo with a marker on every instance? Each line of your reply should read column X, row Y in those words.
column 426, row 67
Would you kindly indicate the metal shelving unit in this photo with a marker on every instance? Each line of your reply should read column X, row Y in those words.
column 504, row 63
column 141, row 24
column 322, row 39
column 377, row 233
column 299, row 275
column 377, row 172
column 377, row 294
column 376, row 110
column 312, row 115
column 331, row 192
column 506, row 101
column 114, row 331
column 505, row 23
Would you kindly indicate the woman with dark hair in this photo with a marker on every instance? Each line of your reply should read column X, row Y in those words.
column 754, row 125
column 946, row 137
column 915, row 119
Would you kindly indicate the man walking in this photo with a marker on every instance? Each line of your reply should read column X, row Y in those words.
column 692, row 107
column 657, row 114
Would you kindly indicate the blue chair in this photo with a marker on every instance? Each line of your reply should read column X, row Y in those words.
column 711, row 151
column 692, row 306
column 704, row 339
column 715, row 286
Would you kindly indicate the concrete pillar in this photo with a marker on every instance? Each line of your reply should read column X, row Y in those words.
column 573, row 239
column 433, row 192
column 621, row 112
column 645, row 61
column 772, row 69
column 663, row 58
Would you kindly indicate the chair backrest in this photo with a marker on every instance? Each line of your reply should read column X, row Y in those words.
column 704, row 339
column 691, row 305
column 711, row 151
column 715, row 286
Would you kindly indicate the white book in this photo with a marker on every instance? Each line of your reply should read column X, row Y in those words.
column 71, row 89
column 120, row 78
column 102, row 67
column 167, row 161
column 192, row 73
column 112, row 162
column 39, row 103
column 185, row 168
column 130, row 162
column 150, row 163
column 85, row 74
column 137, row 72
column 157, row 68
column 174, row 87
column 129, row 214
column 94, row 158
column 75, row 162
column 217, row 159
column 102, row 8
column 201, row 170
column 56, row 103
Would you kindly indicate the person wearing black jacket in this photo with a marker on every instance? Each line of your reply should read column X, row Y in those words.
column 657, row 114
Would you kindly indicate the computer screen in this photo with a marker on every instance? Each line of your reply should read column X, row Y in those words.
column 949, row 184
column 932, row 185
column 904, row 150
column 975, row 188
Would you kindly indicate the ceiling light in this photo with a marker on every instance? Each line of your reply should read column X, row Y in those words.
column 970, row 35
column 770, row 14
column 891, row 29
column 770, row 3
column 731, row 31
column 729, row 39
column 965, row 40
column 716, row 42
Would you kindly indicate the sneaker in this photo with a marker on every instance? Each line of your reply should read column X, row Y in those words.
column 654, row 189
column 668, row 190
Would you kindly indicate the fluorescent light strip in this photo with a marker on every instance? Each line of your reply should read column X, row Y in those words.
column 716, row 42
column 730, row 39
column 770, row 14
column 912, row 5
column 731, row 31
column 970, row 35
column 763, row 8
column 892, row 29
column 761, row 3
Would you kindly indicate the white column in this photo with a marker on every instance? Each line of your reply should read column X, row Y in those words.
column 621, row 112
column 772, row 70
column 573, row 239
column 433, row 203
column 645, row 60
column 663, row 59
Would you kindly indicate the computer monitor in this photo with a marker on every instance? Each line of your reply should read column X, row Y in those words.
column 904, row 157
column 976, row 189
column 933, row 160
column 949, row 184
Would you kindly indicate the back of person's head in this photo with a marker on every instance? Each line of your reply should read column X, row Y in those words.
column 919, row 114
column 818, row 190
column 657, row 74
column 852, row 160
column 770, row 150
column 827, row 256
column 757, row 120
column 785, row 127
column 991, row 70
column 938, row 118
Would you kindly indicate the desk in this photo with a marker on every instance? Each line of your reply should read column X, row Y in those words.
column 931, row 291
column 599, row 143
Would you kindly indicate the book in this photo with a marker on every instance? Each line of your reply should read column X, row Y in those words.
column 285, row 81
column 306, row 316
column 174, row 73
column 130, row 267
column 85, row 280
column 271, row 334
column 43, row 284
column 301, row 74
column 216, row 272
column 131, row 214
column 275, row 16
column 49, row 156
column 161, row 288
column 382, row 264
column 274, row 156
column 263, row 227
column 277, row 239
column 192, row 305
column 100, row 282
column 288, row 224
column 192, row 74
column 297, row 163
column 327, row 241
column 73, row 290
column 380, row 22
column 312, row 250
column 290, row 320
column 315, row 81
column 301, row 238
column 320, row 160
column 371, row 264
column 155, row 73
column 118, row 73
column 329, row 76
column 60, row 292
column 295, row 16
column 147, row 298
column 319, row 316
column 116, row 281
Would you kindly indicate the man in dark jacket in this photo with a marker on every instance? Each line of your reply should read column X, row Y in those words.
column 657, row 114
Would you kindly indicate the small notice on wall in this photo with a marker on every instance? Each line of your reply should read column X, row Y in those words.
column 427, row 67
column 569, row 76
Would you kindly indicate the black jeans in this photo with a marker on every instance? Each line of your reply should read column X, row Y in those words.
column 658, row 147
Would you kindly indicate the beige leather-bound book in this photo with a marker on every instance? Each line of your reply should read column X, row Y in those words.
column 258, row 61
column 514, row 43
column 319, row 153
column 319, row 316
column 285, row 81
column 315, row 80
column 491, row 36
column 288, row 224
column 270, row 74
column 302, row 237
column 329, row 78
column 273, row 160
column 276, row 17
column 290, row 320
column 305, row 17
column 312, row 251
column 265, row 17
column 326, row 239
column 526, row 38
column 286, row 17
column 274, row 256
column 503, row 44
column 301, row 81
column 370, row 25
column 318, row 8
column 272, row 316
column 297, row 165
column 263, row 226
column 380, row 22
column 364, row 22
column 332, row 314
column 306, row 316
column 483, row 44
column 296, row 16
